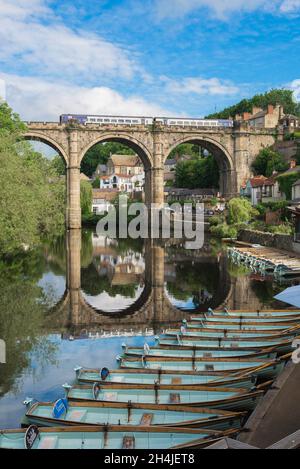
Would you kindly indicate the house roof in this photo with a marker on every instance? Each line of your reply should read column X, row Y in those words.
column 107, row 194
column 296, row 169
column 102, row 167
column 83, row 177
column 126, row 160
column 260, row 181
column 170, row 162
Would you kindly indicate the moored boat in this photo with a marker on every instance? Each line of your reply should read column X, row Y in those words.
column 216, row 398
column 106, row 437
column 62, row 412
column 138, row 378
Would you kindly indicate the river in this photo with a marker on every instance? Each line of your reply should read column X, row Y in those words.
column 75, row 301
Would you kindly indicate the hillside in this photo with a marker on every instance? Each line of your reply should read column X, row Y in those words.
column 276, row 96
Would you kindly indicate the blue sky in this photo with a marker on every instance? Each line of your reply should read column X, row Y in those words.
column 183, row 57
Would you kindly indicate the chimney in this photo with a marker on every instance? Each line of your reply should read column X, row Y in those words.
column 270, row 109
column 293, row 164
column 256, row 110
column 246, row 116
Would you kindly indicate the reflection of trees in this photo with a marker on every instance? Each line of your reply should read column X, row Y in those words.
column 192, row 282
column 265, row 291
column 22, row 309
column 92, row 284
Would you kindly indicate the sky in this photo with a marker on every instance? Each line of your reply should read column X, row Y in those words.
column 144, row 57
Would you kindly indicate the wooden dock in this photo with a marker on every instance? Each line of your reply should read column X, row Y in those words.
column 266, row 260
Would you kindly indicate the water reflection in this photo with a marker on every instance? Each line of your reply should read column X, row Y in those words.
column 87, row 288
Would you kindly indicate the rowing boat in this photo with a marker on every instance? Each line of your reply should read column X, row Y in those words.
column 226, row 325
column 135, row 378
column 105, row 437
column 62, row 412
column 268, row 369
column 264, row 320
column 212, row 397
column 258, row 313
column 195, row 353
column 238, row 335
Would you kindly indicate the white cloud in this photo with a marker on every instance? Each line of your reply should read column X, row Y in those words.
column 36, row 99
column 222, row 8
column 290, row 6
column 200, row 86
column 31, row 36
column 295, row 86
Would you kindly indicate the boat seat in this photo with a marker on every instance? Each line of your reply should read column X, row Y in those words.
column 48, row 442
column 176, row 380
column 110, row 396
column 146, row 419
column 128, row 442
column 76, row 415
column 175, row 398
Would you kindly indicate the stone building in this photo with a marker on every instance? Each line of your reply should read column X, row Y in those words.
column 263, row 119
column 102, row 200
column 261, row 189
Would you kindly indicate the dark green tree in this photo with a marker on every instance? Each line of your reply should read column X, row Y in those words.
column 268, row 161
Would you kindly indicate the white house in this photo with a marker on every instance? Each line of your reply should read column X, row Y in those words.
column 262, row 189
column 102, row 200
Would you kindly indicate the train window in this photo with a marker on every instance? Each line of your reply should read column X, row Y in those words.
column 128, row 121
column 135, row 121
column 93, row 120
column 121, row 121
column 114, row 120
column 172, row 122
column 106, row 120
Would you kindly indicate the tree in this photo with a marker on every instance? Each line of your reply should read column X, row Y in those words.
column 32, row 193
column 58, row 165
column 197, row 173
column 96, row 183
column 268, row 161
column 276, row 96
column 86, row 196
column 240, row 211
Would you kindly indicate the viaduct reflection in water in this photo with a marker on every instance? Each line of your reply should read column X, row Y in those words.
column 139, row 286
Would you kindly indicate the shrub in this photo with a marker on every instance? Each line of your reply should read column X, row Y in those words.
column 223, row 230
column 240, row 211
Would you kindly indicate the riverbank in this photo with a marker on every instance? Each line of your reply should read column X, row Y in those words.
column 278, row 241
column 278, row 414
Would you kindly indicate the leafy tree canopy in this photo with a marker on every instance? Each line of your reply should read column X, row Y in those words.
column 268, row 161
column 275, row 96
column 32, row 193
column 197, row 173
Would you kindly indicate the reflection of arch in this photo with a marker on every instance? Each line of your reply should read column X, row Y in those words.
column 135, row 307
column 39, row 137
column 216, row 148
column 137, row 146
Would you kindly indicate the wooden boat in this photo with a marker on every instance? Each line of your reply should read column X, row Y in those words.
column 267, row 369
column 239, row 335
column 258, row 313
column 63, row 412
column 211, row 397
column 195, row 353
column 216, row 326
column 246, row 320
column 281, row 346
column 109, row 437
column 138, row 378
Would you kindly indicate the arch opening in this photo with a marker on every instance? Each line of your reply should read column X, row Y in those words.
column 199, row 163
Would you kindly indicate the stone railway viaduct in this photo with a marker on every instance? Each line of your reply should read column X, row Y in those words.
column 234, row 149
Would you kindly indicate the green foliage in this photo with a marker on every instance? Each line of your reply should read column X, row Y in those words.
column 276, row 96
column 269, row 161
column 286, row 182
column 58, row 165
column 100, row 153
column 32, row 193
column 96, row 183
column 197, row 173
column 194, row 151
column 86, row 197
column 283, row 228
column 10, row 122
column 240, row 211
column 223, row 230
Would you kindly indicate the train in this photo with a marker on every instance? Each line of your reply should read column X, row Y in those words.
column 126, row 120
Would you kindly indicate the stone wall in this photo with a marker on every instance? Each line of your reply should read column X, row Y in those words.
column 278, row 241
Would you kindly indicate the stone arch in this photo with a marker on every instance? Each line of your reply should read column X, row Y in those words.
column 223, row 157
column 136, row 145
column 41, row 137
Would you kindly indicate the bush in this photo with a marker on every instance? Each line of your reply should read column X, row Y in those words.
column 223, row 230
column 216, row 220
column 240, row 211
